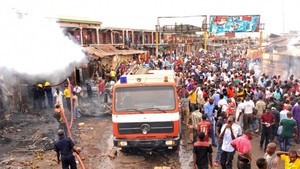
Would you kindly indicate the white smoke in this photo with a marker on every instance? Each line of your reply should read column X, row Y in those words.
column 292, row 48
column 294, row 58
column 35, row 45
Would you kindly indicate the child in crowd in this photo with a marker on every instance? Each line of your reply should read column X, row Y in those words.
column 261, row 163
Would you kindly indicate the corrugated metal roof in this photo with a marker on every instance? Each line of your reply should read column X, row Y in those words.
column 109, row 50
column 78, row 20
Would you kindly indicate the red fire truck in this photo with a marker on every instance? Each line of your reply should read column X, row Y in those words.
column 145, row 111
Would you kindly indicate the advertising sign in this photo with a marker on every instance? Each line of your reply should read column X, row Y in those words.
column 240, row 23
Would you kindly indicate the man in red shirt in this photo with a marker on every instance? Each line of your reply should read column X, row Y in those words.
column 231, row 110
column 204, row 126
column 267, row 120
column 243, row 146
column 202, row 153
column 101, row 88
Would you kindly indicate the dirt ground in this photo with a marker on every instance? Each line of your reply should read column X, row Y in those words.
column 26, row 141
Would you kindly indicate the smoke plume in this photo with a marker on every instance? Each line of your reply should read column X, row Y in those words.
column 33, row 45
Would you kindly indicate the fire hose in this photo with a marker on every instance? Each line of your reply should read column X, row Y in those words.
column 71, row 120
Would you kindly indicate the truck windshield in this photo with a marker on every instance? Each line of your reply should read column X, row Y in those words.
column 145, row 98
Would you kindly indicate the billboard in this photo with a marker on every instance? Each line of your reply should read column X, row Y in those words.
column 238, row 23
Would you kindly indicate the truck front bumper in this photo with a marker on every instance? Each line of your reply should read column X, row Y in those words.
column 150, row 144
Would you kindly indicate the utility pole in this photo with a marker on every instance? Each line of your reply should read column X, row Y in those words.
column 261, row 27
column 205, row 39
column 157, row 27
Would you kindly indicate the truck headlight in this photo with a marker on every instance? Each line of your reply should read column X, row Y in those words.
column 169, row 142
column 122, row 143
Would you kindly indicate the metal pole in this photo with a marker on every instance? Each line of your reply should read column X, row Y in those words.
column 156, row 38
column 205, row 37
column 156, row 42
column 260, row 40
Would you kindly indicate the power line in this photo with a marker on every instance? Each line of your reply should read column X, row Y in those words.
column 189, row 16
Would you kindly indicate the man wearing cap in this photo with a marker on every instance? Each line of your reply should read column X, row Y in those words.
column 64, row 148
column 49, row 94
column 67, row 94
column 41, row 96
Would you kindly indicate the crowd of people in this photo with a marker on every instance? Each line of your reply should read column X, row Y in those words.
column 226, row 103
column 225, row 100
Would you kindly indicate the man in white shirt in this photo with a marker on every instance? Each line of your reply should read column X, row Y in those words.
column 229, row 132
column 222, row 102
column 225, row 65
column 283, row 113
column 199, row 94
column 249, row 109
column 77, row 89
column 239, row 111
column 58, row 96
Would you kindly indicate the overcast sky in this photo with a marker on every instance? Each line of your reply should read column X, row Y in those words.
column 278, row 15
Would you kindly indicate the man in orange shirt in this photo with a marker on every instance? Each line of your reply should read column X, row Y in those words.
column 204, row 126
column 230, row 91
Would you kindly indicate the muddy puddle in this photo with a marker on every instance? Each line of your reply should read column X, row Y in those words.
column 180, row 159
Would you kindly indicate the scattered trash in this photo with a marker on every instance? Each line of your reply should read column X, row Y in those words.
column 80, row 125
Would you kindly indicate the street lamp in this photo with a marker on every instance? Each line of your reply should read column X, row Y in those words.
column 156, row 41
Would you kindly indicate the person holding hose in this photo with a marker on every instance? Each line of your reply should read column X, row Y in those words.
column 64, row 148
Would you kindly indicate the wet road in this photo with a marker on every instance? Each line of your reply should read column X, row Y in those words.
column 176, row 160
column 181, row 159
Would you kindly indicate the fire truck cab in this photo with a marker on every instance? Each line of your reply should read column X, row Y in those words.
column 145, row 111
